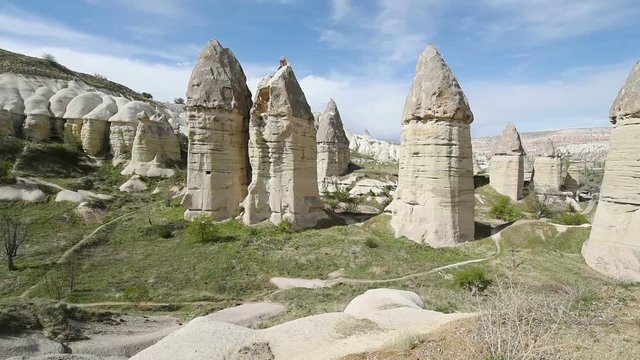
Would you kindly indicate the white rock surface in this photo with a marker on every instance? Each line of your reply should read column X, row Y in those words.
column 19, row 192
column 248, row 314
column 37, row 125
column 614, row 245
column 123, row 128
column 434, row 202
column 95, row 127
column 219, row 103
column 282, row 152
column 333, row 144
column 380, row 151
column 547, row 175
column 135, row 184
column 77, row 108
column 79, row 196
column 373, row 187
column 29, row 345
column 506, row 173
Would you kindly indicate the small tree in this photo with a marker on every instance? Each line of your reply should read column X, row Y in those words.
column 539, row 203
column 49, row 58
column 146, row 95
column 178, row 100
column 13, row 234
column 202, row 229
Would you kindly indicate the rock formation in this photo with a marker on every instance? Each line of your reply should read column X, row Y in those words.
column 11, row 101
column 506, row 173
column 282, row 151
column 155, row 148
column 123, row 128
column 80, row 106
column 380, row 150
column 37, row 125
column 614, row 245
column 434, row 202
column 58, row 105
column 333, row 145
column 95, row 127
column 218, row 105
column 547, row 176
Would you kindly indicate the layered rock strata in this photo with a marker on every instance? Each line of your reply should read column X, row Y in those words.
column 506, row 172
column 614, row 245
column 282, row 151
column 434, row 202
column 218, row 105
column 77, row 108
column 95, row 127
column 333, row 145
column 547, row 175
column 37, row 125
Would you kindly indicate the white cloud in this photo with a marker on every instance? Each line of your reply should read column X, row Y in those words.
column 340, row 8
column 166, row 8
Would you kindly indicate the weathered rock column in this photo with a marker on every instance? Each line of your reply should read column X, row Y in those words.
column 218, row 105
column 58, row 105
column 506, row 171
column 333, row 145
column 123, row 127
column 547, row 175
column 95, row 127
column 614, row 246
column 37, row 125
column 434, row 202
column 282, row 151
column 77, row 108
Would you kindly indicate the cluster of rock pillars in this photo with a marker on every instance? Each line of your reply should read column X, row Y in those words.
column 264, row 159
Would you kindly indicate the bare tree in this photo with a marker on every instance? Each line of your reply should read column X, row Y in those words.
column 13, row 234
column 539, row 203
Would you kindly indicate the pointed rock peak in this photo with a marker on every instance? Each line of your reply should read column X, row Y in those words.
column 509, row 142
column 330, row 127
column 627, row 104
column 435, row 92
column 218, row 81
column 280, row 95
column 549, row 149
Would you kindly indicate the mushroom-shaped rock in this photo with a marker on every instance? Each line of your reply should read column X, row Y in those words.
column 95, row 127
column 614, row 245
column 218, row 105
column 37, row 125
column 123, row 128
column 282, row 151
column 58, row 105
column 12, row 102
column 332, row 144
column 121, row 101
column 77, row 108
column 547, row 174
column 506, row 171
column 434, row 201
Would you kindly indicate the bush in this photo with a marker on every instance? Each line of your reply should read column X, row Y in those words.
column 178, row 100
column 164, row 231
column 571, row 219
column 136, row 294
column 371, row 243
column 146, row 95
column 5, row 171
column 202, row 229
column 472, row 279
column 285, row 226
column 504, row 209
column 100, row 76
column 49, row 58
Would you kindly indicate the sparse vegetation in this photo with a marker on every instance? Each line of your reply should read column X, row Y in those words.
column 100, row 76
column 504, row 209
column 472, row 279
column 146, row 95
column 50, row 58
column 13, row 234
column 136, row 294
column 202, row 229
column 178, row 100
column 571, row 218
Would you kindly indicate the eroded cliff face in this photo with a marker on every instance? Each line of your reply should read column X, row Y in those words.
column 434, row 201
column 614, row 245
column 218, row 105
column 282, row 151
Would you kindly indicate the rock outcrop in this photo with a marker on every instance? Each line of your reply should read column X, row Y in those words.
column 58, row 105
column 77, row 108
column 380, row 151
column 506, row 173
column 614, row 245
column 282, row 151
column 95, row 127
column 434, row 202
column 547, row 175
column 37, row 125
column 123, row 127
column 333, row 145
column 218, row 106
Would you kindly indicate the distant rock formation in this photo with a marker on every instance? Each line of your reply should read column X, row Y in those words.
column 434, row 202
column 380, row 151
column 614, row 245
column 282, row 151
column 506, row 173
column 218, row 106
column 333, row 145
column 547, row 175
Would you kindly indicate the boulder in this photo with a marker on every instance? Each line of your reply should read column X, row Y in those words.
column 95, row 127
column 332, row 144
column 282, row 151
column 77, row 108
column 37, row 125
column 218, row 106
column 135, row 184
column 506, row 172
column 547, row 175
column 434, row 202
column 123, row 126
column 614, row 245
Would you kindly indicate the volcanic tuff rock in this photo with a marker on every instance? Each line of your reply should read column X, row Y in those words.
column 95, row 126
column 507, row 164
column 218, row 106
column 333, row 145
column 80, row 106
column 434, row 201
column 282, row 151
column 614, row 245
column 123, row 127
column 547, row 177
column 380, row 150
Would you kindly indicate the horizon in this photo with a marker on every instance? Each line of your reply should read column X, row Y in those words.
column 542, row 65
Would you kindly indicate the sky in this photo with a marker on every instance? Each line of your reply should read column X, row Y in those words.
column 541, row 64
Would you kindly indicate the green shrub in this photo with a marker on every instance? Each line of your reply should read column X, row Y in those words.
column 504, row 209
column 202, row 229
column 136, row 294
column 164, row 231
column 371, row 243
column 473, row 279
column 96, row 203
column 571, row 219
column 285, row 226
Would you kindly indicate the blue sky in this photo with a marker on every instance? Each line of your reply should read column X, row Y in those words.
column 542, row 64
